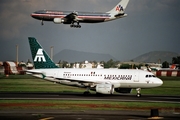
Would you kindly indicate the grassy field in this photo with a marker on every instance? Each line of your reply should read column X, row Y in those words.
column 26, row 83
column 85, row 105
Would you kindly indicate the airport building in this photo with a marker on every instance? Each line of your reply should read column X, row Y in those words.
column 11, row 68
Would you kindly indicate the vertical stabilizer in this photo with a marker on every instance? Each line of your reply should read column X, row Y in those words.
column 40, row 57
column 119, row 8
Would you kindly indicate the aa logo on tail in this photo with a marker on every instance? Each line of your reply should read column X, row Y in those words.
column 39, row 56
column 119, row 8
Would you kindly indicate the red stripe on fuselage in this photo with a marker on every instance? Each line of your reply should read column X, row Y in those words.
column 62, row 16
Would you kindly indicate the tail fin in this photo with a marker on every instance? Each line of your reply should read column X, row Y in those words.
column 40, row 57
column 119, row 8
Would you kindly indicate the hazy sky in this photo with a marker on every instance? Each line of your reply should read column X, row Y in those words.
column 151, row 25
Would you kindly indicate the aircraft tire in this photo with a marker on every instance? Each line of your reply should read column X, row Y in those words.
column 138, row 95
column 86, row 93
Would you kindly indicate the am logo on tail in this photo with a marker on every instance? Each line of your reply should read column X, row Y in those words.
column 40, row 57
column 75, row 18
column 119, row 8
column 104, row 81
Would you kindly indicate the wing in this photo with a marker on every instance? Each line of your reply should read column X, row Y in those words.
column 68, row 81
column 72, row 17
column 79, row 82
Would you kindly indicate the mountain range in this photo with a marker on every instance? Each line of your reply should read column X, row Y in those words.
column 79, row 56
column 156, row 57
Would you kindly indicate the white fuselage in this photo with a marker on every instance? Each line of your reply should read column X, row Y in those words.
column 120, row 78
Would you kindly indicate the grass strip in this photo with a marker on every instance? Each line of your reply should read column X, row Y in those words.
column 27, row 83
column 84, row 105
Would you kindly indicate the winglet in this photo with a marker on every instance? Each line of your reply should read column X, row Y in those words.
column 40, row 57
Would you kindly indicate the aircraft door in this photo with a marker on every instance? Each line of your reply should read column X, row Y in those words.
column 136, row 76
column 55, row 74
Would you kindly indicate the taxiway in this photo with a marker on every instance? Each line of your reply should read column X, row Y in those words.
column 80, row 96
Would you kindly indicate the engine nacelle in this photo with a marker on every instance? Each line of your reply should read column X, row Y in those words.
column 123, row 90
column 105, row 88
column 59, row 20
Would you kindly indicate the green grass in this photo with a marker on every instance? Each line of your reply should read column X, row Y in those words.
column 84, row 105
column 27, row 83
column 19, row 83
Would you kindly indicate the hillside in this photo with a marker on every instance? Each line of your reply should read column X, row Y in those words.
column 79, row 56
column 155, row 56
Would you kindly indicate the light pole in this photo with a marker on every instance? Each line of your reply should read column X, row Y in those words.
column 52, row 52
column 17, row 47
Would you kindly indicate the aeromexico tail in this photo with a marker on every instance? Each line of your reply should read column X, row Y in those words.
column 104, row 81
column 74, row 18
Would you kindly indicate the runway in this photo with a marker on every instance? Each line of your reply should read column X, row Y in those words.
column 80, row 96
column 56, row 114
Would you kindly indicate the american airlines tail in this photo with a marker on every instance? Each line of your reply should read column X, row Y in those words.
column 119, row 8
column 40, row 57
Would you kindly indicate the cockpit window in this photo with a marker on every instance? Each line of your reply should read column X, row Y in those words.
column 149, row 76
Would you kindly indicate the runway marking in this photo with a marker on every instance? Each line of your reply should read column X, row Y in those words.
column 49, row 118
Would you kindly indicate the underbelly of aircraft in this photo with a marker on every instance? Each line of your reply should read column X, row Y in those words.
column 92, row 20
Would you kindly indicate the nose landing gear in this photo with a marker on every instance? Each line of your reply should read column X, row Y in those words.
column 138, row 92
column 42, row 23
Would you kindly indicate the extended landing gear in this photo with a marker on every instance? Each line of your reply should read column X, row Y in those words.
column 138, row 92
column 87, row 92
column 75, row 26
column 42, row 23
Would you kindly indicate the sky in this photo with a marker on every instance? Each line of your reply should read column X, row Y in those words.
column 151, row 25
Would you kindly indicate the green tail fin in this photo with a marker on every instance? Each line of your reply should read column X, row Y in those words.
column 40, row 57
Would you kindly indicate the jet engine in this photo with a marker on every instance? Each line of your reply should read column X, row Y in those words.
column 123, row 90
column 105, row 88
column 59, row 20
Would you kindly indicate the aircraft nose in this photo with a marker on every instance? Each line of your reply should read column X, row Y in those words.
column 32, row 14
column 159, row 82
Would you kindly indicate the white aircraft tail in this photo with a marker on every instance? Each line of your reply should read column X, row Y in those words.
column 119, row 8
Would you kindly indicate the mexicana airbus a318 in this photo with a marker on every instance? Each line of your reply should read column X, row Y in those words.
column 103, row 81
column 74, row 18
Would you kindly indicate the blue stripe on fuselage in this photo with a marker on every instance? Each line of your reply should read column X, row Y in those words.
column 50, row 14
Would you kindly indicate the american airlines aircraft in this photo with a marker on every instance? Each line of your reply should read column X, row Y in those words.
column 104, row 81
column 69, row 17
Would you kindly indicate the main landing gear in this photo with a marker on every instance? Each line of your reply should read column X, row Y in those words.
column 87, row 92
column 138, row 92
column 75, row 26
